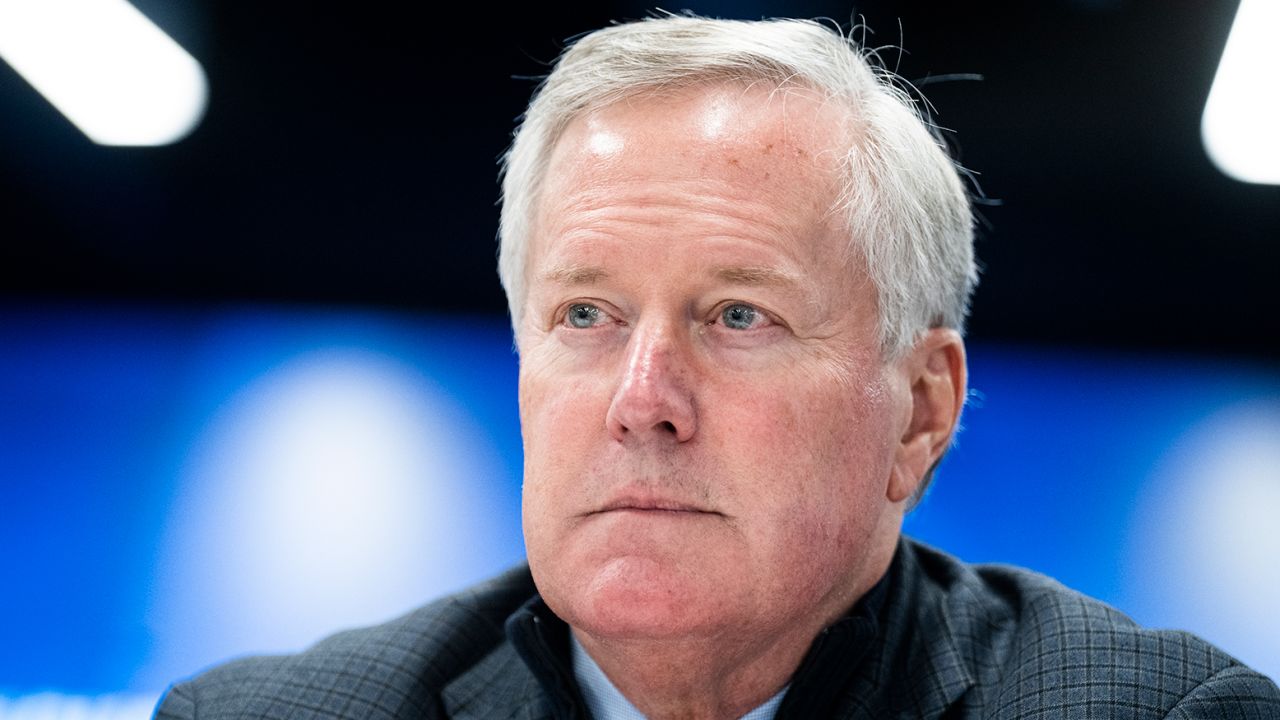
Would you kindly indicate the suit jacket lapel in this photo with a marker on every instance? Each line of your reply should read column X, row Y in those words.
column 499, row 687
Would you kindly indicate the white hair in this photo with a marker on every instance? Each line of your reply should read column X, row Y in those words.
column 908, row 213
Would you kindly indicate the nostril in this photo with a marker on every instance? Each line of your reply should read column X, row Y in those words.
column 668, row 426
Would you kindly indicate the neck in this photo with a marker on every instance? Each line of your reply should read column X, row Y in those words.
column 688, row 680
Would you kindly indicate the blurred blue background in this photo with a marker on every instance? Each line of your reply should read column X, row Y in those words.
column 185, row 487
column 257, row 385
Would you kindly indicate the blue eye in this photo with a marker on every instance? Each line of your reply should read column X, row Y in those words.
column 739, row 317
column 582, row 315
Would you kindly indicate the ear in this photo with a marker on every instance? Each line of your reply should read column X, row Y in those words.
column 936, row 373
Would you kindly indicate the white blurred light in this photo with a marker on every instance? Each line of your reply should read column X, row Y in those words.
column 106, row 67
column 1207, row 536
column 53, row 706
column 1239, row 123
column 338, row 490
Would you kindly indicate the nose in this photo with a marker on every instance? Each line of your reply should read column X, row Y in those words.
column 654, row 398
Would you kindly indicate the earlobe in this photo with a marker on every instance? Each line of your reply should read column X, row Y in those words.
column 937, row 377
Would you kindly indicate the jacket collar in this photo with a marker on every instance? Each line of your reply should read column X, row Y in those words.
column 916, row 665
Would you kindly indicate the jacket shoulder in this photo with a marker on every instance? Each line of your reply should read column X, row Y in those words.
column 392, row 670
column 1035, row 646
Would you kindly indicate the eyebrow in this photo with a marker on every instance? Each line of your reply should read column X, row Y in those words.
column 575, row 275
column 751, row 275
column 755, row 275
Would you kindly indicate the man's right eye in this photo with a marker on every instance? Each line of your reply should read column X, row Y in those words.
column 583, row 315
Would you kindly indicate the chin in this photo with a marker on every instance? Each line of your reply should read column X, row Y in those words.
column 635, row 598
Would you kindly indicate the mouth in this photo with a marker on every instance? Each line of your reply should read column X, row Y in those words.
column 652, row 505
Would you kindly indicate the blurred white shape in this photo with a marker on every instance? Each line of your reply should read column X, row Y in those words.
column 1206, row 550
column 53, row 706
column 338, row 490
column 1239, row 123
column 106, row 67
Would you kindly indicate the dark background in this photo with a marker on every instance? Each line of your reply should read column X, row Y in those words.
column 349, row 157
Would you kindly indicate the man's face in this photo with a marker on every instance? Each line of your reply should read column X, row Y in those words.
column 709, row 428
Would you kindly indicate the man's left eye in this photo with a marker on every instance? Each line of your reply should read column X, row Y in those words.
column 740, row 317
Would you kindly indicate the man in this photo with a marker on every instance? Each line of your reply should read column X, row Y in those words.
column 738, row 267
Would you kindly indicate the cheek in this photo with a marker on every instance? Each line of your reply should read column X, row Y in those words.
column 556, row 419
column 819, row 459
column 561, row 423
column 548, row 393
column 834, row 430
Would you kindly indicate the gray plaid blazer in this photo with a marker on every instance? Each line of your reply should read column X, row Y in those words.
column 944, row 640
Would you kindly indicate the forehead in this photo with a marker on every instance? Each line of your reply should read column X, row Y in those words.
column 716, row 116
column 754, row 144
